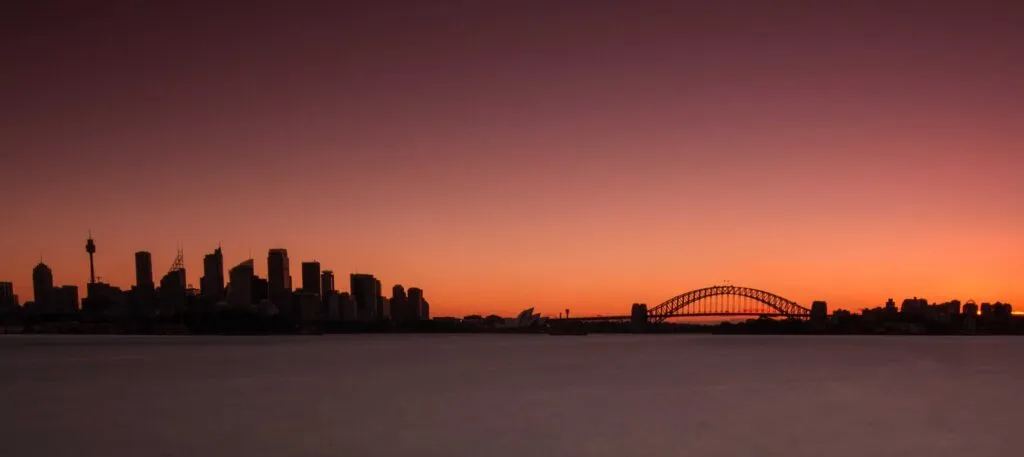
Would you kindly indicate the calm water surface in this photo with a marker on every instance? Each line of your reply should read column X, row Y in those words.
column 484, row 395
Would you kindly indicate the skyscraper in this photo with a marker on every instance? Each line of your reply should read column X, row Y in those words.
column 364, row 293
column 415, row 305
column 42, row 287
column 311, row 278
column 399, row 305
column 327, row 283
column 211, row 285
column 7, row 297
column 240, row 289
column 144, row 270
column 279, row 280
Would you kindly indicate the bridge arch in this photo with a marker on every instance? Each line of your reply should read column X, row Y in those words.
column 676, row 306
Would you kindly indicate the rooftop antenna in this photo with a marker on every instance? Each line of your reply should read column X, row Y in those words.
column 179, row 262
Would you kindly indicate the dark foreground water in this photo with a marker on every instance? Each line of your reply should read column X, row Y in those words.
column 529, row 395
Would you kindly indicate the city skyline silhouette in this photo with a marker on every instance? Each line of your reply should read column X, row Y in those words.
column 511, row 228
column 528, row 154
column 313, row 296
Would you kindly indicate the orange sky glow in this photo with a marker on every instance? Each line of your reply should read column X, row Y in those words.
column 501, row 159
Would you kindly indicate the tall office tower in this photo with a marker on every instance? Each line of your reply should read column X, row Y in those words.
column 399, row 304
column 327, row 283
column 144, row 270
column 365, row 294
column 240, row 289
column 211, row 285
column 42, row 287
column 279, row 281
column 415, row 305
column 311, row 278
column 7, row 298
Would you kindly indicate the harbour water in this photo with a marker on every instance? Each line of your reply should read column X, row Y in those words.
column 511, row 395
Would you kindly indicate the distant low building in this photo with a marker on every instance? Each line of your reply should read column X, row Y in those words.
column 347, row 307
column 970, row 309
column 309, row 305
column 332, row 306
column 986, row 311
column 890, row 306
column 65, row 299
column 1002, row 310
column 104, row 299
column 914, row 307
column 8, row 301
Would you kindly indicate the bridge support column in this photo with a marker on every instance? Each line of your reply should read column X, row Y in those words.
column 819, row 315
column 638, row 318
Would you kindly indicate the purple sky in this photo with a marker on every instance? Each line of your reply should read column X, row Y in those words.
column 504, row 154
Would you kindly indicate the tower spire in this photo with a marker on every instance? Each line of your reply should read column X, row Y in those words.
column 90, row 247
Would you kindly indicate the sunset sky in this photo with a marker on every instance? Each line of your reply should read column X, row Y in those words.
column 507, row 154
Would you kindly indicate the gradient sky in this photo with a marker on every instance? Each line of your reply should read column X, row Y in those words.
column 506, row 154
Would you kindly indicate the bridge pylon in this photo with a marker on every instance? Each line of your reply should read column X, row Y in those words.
column 638, row 318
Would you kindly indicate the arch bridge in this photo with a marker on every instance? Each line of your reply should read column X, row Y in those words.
column 727, row 300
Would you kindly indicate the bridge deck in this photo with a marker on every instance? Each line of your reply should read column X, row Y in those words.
column 649, row 318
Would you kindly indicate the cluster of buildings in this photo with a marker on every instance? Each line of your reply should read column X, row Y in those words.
column 316, row 299
column 52, row 299
column 918, row 309
column 917, row 315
